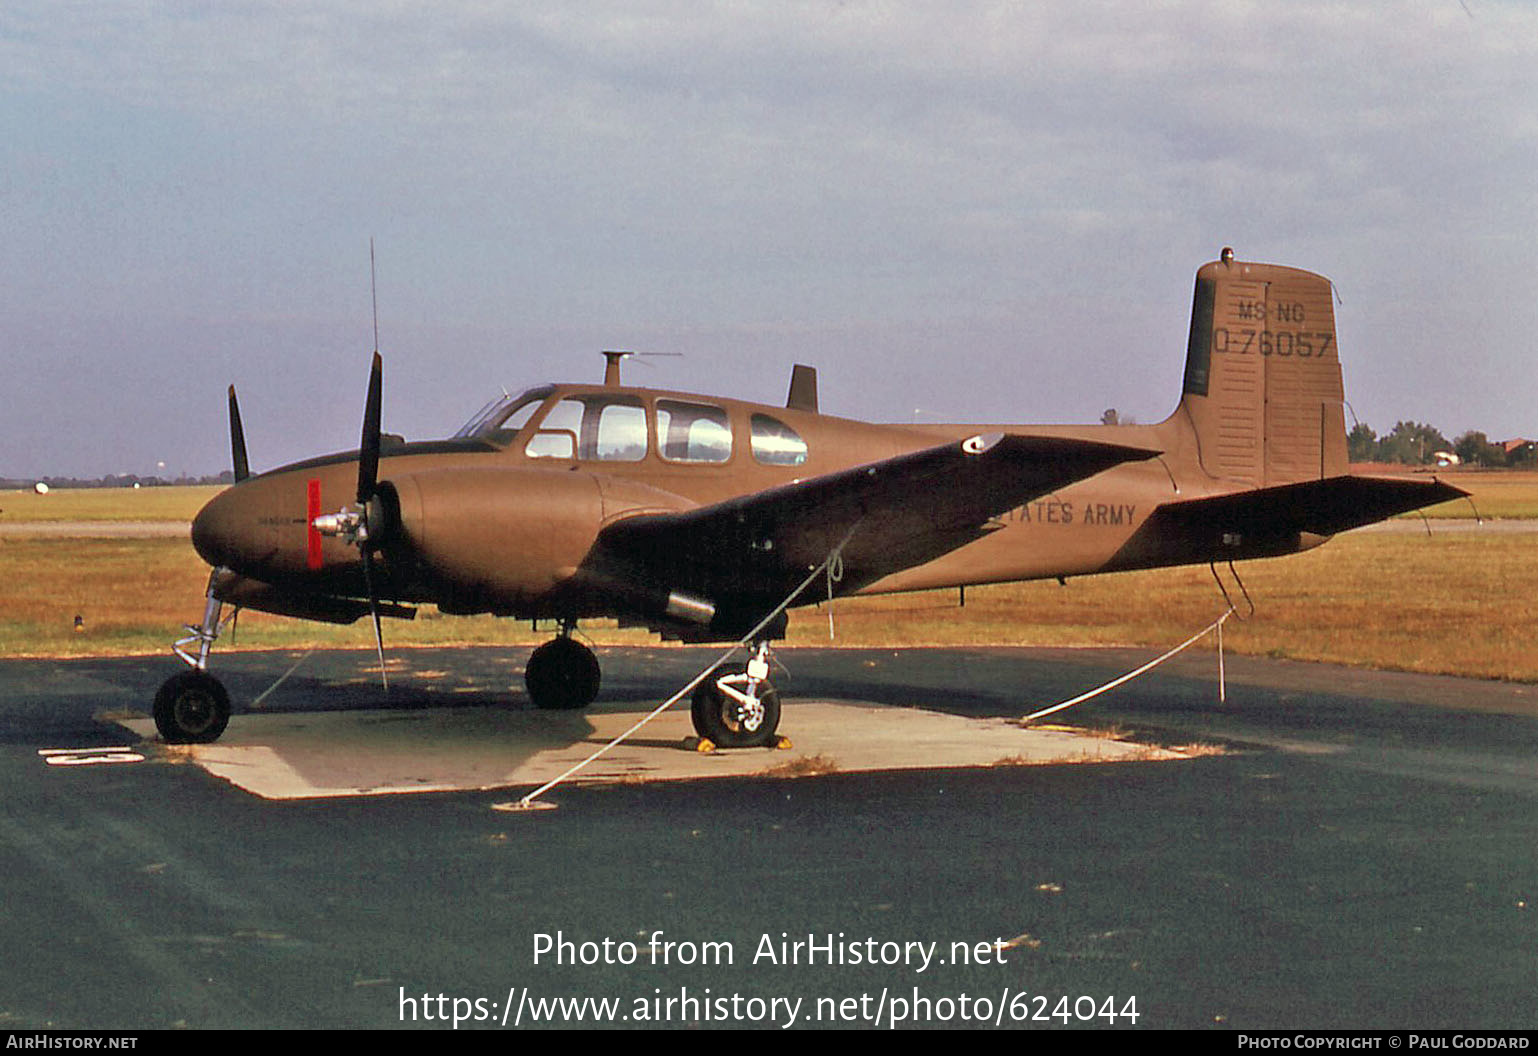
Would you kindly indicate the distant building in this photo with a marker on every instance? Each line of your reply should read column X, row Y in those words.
column 1520, row 451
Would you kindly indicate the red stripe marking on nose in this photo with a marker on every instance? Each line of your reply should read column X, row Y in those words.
column 312, row 537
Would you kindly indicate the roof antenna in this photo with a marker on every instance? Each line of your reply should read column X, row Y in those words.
column 614, row 356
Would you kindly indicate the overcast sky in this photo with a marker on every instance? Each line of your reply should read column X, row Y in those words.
column 960, row 211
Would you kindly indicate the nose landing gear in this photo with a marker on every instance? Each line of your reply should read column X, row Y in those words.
column 193, row 707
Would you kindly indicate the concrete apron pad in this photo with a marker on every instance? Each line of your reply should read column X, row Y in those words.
column 378, row 752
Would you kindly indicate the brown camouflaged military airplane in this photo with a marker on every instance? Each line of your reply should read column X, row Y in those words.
column 697, row 516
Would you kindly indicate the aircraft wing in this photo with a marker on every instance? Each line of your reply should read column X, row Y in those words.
column 902, row 512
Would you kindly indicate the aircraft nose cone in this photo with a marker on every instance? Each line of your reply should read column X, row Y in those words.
column 217, row 531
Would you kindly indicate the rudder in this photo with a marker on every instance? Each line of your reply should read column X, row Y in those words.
column 1263, row 391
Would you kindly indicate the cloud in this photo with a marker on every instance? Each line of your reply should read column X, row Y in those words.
column 831, row 170
column 968, row 100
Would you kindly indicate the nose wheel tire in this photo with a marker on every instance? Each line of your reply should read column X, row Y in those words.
column 562, row 674
column 728, row 722
column 191, row 708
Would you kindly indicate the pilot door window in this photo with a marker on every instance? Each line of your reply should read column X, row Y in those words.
column 603, row 429
column 693, row 432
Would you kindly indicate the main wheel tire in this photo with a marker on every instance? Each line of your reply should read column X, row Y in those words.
column 725, row 722
column 562, row 674
column 191, row 708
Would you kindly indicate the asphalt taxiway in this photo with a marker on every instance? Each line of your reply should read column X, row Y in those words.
column 1349, row 849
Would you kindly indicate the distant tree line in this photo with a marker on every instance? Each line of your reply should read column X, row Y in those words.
column 113, row 480
column 1418, row 444
column 1408, row 443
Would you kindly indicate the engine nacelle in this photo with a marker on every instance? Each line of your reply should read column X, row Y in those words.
column 505, row 539
column 498, row 537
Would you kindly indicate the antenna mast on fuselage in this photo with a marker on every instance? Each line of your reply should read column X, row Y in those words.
column 612, row 357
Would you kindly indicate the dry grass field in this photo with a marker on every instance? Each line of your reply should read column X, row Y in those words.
column 105, row 504
column 1497, row 494
column 1455, row 602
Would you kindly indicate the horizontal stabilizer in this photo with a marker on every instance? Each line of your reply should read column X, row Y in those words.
column 1319, row 507
column 1269, row 522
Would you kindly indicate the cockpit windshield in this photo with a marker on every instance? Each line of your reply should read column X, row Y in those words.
column 499, row 421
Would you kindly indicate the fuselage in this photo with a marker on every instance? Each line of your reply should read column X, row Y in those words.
column 501, row 517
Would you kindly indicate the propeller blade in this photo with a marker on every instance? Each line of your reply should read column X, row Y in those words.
column 238, row 441
column 368, row 446
column 373, row 608
column 368, row 487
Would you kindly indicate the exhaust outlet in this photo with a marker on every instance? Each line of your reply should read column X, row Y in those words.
column 690, row 608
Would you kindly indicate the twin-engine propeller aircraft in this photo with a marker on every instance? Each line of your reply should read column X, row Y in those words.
column 697, row 516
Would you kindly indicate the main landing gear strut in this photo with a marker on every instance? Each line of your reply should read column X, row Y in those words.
column 738, row 710
column 192, row 707
column 563, row 673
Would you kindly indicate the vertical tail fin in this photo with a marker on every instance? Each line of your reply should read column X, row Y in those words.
column 1263, row 391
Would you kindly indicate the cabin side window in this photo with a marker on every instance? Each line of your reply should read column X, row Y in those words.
column 693, row 432
column 775, row 443
column 595, row 428
column 621, row 432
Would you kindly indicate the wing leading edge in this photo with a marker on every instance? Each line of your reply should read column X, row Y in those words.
column 897, row 513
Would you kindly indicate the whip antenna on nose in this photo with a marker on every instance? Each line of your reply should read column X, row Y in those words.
column 373, row 291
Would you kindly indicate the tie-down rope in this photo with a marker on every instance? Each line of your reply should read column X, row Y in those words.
column 836, row 554
column 1215, row 626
